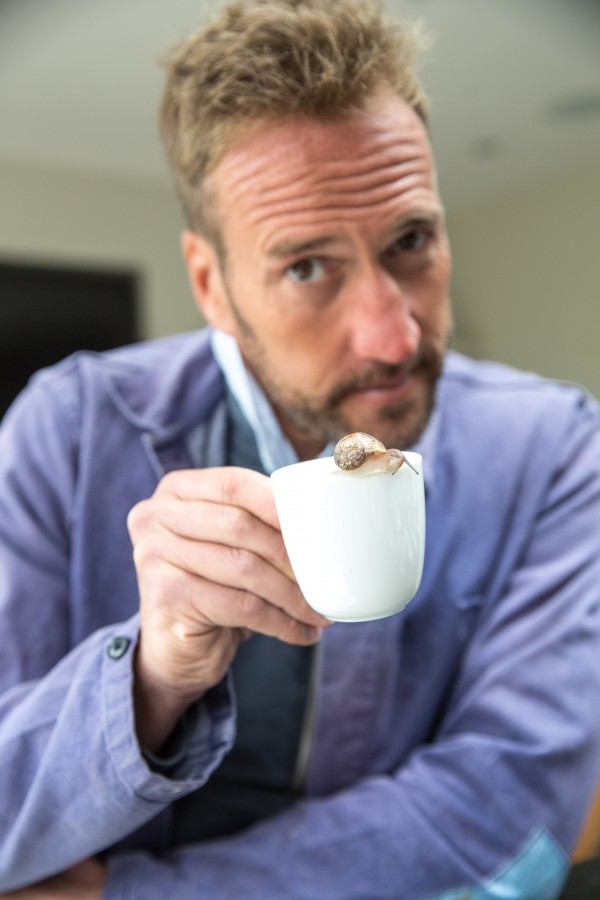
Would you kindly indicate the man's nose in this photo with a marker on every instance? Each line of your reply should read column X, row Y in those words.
column 383, row 327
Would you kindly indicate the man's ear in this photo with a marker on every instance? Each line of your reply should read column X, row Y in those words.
column 206, row 280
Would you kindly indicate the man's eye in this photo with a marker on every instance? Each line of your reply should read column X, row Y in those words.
column 413, row 240
column 306, row 270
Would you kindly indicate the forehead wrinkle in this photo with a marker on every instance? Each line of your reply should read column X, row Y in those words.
column 393, row 154
column 363, row 172
column 372, row 176
column 377, row 155
column 383, row 151
column 358, row 199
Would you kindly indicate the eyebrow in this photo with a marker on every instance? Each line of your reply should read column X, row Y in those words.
column 423, row 217
column 299, row 248
column 295, row 248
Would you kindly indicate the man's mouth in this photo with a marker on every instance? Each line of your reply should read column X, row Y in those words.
column 384, row 382
column 388, row 385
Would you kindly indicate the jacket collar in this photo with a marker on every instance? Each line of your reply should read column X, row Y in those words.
column 165, row 387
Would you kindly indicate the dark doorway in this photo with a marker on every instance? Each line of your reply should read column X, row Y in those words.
column 48, row 312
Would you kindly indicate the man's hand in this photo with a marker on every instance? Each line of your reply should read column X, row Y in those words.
column 83, row 882
column 211, row 568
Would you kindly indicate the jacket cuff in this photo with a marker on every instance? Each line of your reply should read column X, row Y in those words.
column 209, row 728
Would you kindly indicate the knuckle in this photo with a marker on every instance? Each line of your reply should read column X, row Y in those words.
column 169, row 482
column 145, row 551
column 244, row 562
column 137, row 518
column 298, row 632
column 145, row 516
column 169, row 589
column 250, row 606
column 237, row 523
column 231, row 485
column 295, row 630
column 177, row 585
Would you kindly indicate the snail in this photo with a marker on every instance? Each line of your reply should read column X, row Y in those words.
column 362, row 453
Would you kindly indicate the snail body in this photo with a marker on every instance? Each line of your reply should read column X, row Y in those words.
column 363, row 454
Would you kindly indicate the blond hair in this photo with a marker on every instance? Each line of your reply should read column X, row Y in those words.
column 266, row 59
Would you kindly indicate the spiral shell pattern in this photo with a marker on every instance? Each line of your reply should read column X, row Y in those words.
column 351, row 451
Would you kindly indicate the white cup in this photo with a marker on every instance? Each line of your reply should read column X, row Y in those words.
column 356, row 544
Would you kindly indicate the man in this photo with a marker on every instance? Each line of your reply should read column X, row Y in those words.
column 182, row 723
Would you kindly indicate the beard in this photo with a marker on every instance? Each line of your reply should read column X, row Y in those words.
column 397, row 424
column 323, row 419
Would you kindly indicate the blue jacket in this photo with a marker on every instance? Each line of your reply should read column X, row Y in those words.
column 454, row 747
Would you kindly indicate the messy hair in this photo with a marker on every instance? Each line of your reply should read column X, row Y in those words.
column 265, row 59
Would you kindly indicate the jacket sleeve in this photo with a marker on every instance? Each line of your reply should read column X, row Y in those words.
column 59, row 705
column 492, row 806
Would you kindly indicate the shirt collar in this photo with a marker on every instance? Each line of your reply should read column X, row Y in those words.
column 274, row 448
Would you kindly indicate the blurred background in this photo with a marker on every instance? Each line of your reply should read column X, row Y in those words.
column 89, row 225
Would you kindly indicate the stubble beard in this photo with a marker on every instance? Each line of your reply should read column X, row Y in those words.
column 396, row 425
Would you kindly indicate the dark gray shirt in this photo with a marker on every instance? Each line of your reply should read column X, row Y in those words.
column 271, row 680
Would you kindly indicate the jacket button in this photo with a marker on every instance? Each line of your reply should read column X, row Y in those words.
column 118, row 647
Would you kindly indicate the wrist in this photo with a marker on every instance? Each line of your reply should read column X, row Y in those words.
column 172, row 753
column 158, row 710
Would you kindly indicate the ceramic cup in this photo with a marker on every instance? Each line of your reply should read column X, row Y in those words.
column 356, row 544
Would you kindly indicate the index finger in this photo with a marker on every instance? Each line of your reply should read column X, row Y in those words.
column 229, row 485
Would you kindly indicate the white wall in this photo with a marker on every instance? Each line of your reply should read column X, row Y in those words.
column 526, row 282
column 49, row 215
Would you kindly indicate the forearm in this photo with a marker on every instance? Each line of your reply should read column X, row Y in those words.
column 375, row 840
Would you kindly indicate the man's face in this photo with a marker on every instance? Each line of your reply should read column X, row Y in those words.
column 337, row 271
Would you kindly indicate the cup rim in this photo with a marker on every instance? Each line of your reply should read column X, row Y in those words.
column 320, row 461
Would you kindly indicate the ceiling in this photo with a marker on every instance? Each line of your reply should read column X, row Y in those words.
column 515, row 86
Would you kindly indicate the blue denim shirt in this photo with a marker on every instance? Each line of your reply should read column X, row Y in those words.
column 454, row 746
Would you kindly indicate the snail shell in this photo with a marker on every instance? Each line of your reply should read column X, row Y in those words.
column 362, row 453
column 351, row 451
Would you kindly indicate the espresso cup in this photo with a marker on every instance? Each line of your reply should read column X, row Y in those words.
column 356, row 543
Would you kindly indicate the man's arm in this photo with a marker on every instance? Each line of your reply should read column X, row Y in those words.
column 73, row 777
column 67, row 790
